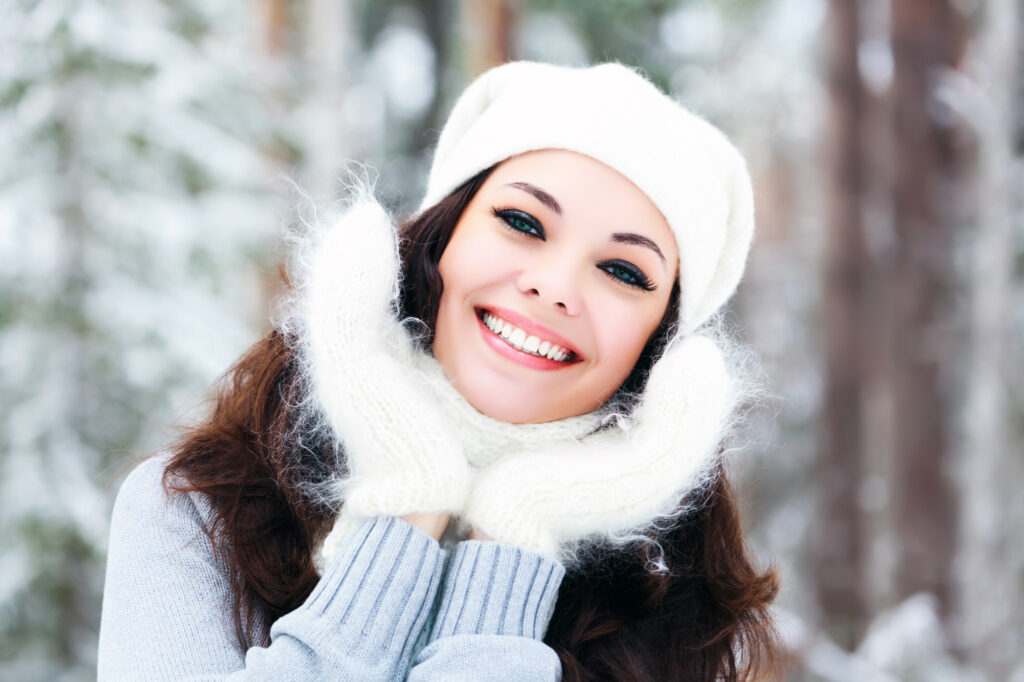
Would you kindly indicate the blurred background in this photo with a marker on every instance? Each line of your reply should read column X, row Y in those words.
column 150, row 153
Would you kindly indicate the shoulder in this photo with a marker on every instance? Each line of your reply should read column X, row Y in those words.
column 165, row 589
column 142, row 490
column 149, row 514
column 143, row 480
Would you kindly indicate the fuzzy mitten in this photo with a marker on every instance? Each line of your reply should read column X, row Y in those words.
column 403, row 455
column 614, row 483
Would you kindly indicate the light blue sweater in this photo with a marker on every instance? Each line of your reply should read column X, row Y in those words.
column 390, row 607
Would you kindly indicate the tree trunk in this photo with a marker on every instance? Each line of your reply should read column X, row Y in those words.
column 277, row 23
column 839, row 556
column 437, row 21
column 488, row 33
column 927, row 41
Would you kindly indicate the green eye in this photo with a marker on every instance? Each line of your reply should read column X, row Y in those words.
column 519, row 222
column 627, row 274
column 623, row 274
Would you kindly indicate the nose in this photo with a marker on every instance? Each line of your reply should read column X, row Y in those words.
column 553, row 282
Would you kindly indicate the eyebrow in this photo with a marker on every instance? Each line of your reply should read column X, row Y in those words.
column 638, row 240
column 541, row 196
column 619, row 237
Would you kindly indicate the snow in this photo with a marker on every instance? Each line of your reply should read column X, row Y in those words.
column 402, row 60
column 136, row 244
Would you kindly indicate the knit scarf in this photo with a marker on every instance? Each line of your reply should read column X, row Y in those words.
column 485, row 439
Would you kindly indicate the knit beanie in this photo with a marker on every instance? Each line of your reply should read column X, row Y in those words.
column 612, row 113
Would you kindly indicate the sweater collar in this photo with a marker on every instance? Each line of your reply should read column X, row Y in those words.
column 485, row 439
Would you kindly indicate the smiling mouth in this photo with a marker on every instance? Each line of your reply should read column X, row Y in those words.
column 523, row 342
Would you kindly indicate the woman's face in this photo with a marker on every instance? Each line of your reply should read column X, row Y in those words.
column 563, row 256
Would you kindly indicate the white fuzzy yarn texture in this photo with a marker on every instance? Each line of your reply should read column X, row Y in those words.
column 610, row 112
column 486, row 440
column 412, row 443
column 550, row 499
column 402, row 452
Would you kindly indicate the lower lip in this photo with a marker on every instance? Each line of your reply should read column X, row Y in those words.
column 525, row 359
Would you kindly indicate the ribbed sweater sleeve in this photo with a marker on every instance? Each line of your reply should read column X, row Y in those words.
column 493, row 611
column 166, row 612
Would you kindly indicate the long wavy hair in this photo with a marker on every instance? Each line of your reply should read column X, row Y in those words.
column 705, row 618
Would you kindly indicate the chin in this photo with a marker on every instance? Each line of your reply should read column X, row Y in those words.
column 491, row 404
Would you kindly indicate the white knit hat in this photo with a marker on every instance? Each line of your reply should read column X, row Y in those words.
column 685, row 165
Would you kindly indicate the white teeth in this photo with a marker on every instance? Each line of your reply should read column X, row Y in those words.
column 527, row 343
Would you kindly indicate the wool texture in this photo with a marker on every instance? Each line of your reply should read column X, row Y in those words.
column 486, row 440
column 403, row 454
column 414, row 444
column 612, row 113
column 613, row 485
column 608, row 478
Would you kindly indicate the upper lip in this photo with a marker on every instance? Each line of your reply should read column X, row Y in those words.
column 531, row 327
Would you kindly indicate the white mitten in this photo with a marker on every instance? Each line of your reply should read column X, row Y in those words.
column 618, row 481
column 403, row 455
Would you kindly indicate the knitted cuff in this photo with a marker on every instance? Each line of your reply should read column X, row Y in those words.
column 376, row 594
column 496, row 589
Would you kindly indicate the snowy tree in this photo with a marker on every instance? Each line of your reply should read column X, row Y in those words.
column 135, row 213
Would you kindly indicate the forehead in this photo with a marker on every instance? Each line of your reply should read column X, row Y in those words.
column 554, row 164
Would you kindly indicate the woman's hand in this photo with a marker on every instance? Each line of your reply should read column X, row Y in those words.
column 613, row 483
column 431, row 524
column 403, row 454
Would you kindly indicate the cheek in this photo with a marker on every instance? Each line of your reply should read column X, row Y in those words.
column 469, row 262
column 621, row 332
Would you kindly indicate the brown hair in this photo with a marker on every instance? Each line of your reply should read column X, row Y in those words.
column 706, row 618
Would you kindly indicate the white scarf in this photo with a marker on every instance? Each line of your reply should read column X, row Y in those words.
column 484, row 439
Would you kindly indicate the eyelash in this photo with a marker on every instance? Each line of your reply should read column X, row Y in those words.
column 508, row 216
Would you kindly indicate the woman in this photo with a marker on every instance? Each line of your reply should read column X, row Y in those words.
column 489, row 449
